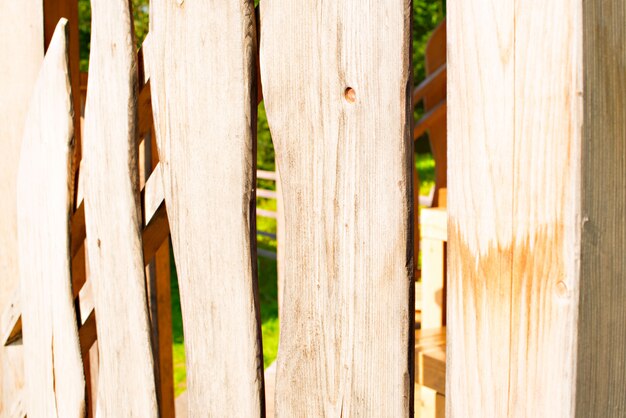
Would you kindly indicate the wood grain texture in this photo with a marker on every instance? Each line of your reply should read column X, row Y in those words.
column 434, row 236
column 126, row 385
column 480, row 103
column 546, row 208
column 554, row 257
column 337, row 94
column 21, row 49
column 601, row 369
column 53, row 369
column 205, row 118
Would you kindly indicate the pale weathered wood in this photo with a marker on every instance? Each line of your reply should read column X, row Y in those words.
column 434, row 236
column 126, row 381
column 21, row 53
column 53, row 369
column 601, row 347
column 337, row 93
column 536, row 207
column 204, row 115
column 480, row 185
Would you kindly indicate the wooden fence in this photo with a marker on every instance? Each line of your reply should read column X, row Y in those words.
column 535, row 225
column 167, row 147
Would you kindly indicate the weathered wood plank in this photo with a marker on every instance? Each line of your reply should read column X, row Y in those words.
column 567, row 166
column 126, row 381
column 205, row 119
column 55, row 383
column 480, row 232
column 337, row 94
column 601, row 369
column 21, row 49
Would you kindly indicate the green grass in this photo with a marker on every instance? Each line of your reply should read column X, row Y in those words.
column 425, row 165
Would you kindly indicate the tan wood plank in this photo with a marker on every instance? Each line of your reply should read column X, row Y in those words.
column 337, row 94
column 440, row 406
column 433, row 368
column 480, row 104
column 204, row 115
column 546, row 208
column 53, row 369
column 566, row 210
column 433, row 278
column 126, row 381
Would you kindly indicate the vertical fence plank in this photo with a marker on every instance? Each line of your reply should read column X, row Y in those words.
column 21, row 53
column 126, row 385
column 55, row 383
column 601, row 369
column 204, row 114
column 336, row 87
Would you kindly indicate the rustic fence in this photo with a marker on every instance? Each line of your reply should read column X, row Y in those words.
column 167, row 147
column 534, row 227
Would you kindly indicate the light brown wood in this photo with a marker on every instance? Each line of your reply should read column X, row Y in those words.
column 434, row 236
column 440, row 406
column 204, row 115
column 480, row 187
column 433, row 368
column 126, row 381
column 53, row 369
column 536, row 208
column 164, row 339
column 337, row 94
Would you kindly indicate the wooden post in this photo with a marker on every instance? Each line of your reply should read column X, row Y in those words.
column 537, row 184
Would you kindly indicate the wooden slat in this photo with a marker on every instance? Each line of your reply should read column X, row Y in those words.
column 126, row 381
column 154, row 234
column 268, row 194
column 266, row 213
column 204, row 118
column 55, row 383
column 430, row 119
column 336, row 88
column 435, row 81
column 21, row 52
column 162, row 321
column 267, row 175
column 433, row 368
column 480, row 185
column 600, row 367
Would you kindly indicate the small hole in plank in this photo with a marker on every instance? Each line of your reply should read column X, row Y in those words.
column 350, row 95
